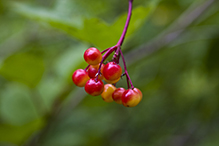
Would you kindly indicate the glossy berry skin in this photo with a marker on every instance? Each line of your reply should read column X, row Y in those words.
column 107, row 92
column 80, row 77
column 131, row 98
column 117, row 95
column 139, row 91
column 93, row 70
column 92, row 56
column 111, row 82
column 112, row 71
column 94, row 88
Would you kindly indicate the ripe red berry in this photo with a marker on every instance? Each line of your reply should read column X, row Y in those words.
column 139, row 92
column 93, row 70
column 80, row 77
column 117, row 95
column 112, row 71
column 131, row 98
column 107, row 92
column 92, row 56
column 94, row 88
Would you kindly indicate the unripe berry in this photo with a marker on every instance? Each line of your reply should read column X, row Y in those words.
column 80, row 77
column 131, row 98
column 94, row 88
column 117, row 95
column 107, row 92
column 93, row 70
column 112, row 71
column 92, row 56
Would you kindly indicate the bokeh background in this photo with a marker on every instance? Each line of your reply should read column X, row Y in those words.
column 172, row 55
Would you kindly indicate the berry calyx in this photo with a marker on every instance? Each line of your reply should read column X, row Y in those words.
column 117, row 95
column 80, row 77
column 93, row 70
column 92, row 56
column 112, row 71
column 107, row 92
column 131, row 98
column 94, row 87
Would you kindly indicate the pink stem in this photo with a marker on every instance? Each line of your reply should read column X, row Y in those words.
column 126, row 24
column 116, row 55
column 126, row 72
column 117, row 47
column 87, row 67
column 105, row 50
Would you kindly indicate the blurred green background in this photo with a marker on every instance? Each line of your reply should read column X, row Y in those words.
column 42, row 44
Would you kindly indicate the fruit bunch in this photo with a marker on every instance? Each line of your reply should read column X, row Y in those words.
column 91, row 77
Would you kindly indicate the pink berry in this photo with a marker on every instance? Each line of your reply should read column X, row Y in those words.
column 94, row 88
column 112, row 71
column 131, row 98
column 92, row 56
column 80, row 77
column 93, row 70
column 117, row 95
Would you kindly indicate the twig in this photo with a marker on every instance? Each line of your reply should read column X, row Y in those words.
column 126, row 24
column 126, row 72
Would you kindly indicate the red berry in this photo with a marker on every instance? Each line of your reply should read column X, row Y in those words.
column 117, row 95
column 131, row 98
column 93, row 70
column 107, row 92
column 112, row 71
column 94, row 88
column 80, row 77
column 92, row 56
column 139, row 91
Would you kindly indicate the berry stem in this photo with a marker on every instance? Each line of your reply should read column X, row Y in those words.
column 117, row 48
column 105, row 50
column 126, row 24
column 87, row 68
column 116, row 55
column 109, row 51
column 126, row 72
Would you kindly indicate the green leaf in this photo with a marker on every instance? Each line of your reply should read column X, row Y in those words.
column 104, row 35
column 50, row 18
column 25, row 68
column 100, row 34
column 92, row 30
column 81, row 8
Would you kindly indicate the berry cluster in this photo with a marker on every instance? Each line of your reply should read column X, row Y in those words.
column 91, row 77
